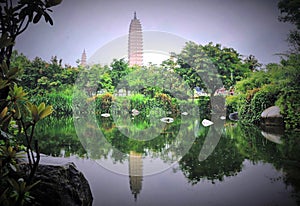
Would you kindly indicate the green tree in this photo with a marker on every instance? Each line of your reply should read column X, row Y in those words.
column 277, row 85
column 290, row 12
column 119, row 69
column 15, row 17
column 252, row 63
column 203, row 66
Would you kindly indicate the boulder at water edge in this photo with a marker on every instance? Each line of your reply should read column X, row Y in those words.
column 234, row 116
column 61, row 185
column 272, row 116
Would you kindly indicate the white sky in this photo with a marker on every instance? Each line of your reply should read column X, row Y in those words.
column 250, row 27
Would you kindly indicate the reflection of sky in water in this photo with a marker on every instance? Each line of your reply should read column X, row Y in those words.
column 252, row 186
column 189, row 182
column 152, row 164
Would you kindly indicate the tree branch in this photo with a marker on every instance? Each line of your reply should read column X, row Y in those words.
column 20, row 31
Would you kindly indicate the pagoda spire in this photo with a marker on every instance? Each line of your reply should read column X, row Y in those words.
column 83, row 59
column 135, row 42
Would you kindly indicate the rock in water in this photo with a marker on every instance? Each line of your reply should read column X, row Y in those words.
column 167, row 119
column 61, row 185
column 273, row 133
column 105, row 115
column 134, row 112
column 272, row 137
column 207, row 123
column 272, row 116
column 273, row 111
column 222, row 117
column 234, row 116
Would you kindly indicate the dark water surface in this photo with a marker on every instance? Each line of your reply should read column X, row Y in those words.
column 248, row 166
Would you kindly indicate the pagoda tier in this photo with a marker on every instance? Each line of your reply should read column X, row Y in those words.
column 135, row 42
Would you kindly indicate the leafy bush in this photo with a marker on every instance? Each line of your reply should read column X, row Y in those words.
column 263, row 99
column 138, row 101
column 203, row 103
column 165, row 102
column 61, row 102
column 289, row 105
column 251, row 105
column 103, row 102
column 232, row 103
column 255, row 80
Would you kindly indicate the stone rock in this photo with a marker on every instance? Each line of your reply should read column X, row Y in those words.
column 270, row 112
column 273, row 133
column 61, row 185
column 105, row 115
column 206, row 122
column 272, row 137
column 167, row 119
column 234, row 116
column 272, row 116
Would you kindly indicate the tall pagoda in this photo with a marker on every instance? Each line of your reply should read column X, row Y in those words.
column 135, row 42
column 83, row 61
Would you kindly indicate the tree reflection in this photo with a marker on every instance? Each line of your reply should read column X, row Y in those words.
column 225, row 160
column 57, row 135
column 237, row 143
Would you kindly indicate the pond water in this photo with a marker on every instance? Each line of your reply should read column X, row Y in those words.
column 243, row 165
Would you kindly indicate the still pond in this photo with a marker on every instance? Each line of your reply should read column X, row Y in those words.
column 246, row 166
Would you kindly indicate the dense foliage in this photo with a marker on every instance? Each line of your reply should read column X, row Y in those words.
column 27, row 86
column 255, row 88
column 290, row 12
column 52, row 83
column 205, row 65
column 18, row 116
column 277, row 85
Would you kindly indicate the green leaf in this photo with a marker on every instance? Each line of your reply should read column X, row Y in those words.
column 4, row 68
column 50, row 3
column 41, row 107
column 5, row 123
column 3, row 83
column 37, row 17
column 48, row 18
column 5, row 41
column 47, row 111
column 13, row 183
column 17, row 114
column 13, row 167
column 21, row 154
column 31, row 186
column 12, row 72
column 7, row 119
column 34, row 112
column 3, row 113
column 4, row 195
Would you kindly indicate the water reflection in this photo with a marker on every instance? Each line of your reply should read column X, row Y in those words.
column 273, row 133
column 135, row 173
column 242, row 156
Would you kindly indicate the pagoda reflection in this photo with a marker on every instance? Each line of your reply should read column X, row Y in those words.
column 135, row 173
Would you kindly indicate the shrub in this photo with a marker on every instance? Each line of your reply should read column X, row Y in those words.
column 61, row 102
column 255, row 102
column 103, row 102
column 289, row 105
column 165, row 101
column 232, row 103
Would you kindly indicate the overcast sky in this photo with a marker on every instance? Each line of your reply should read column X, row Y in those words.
column 249, row 26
